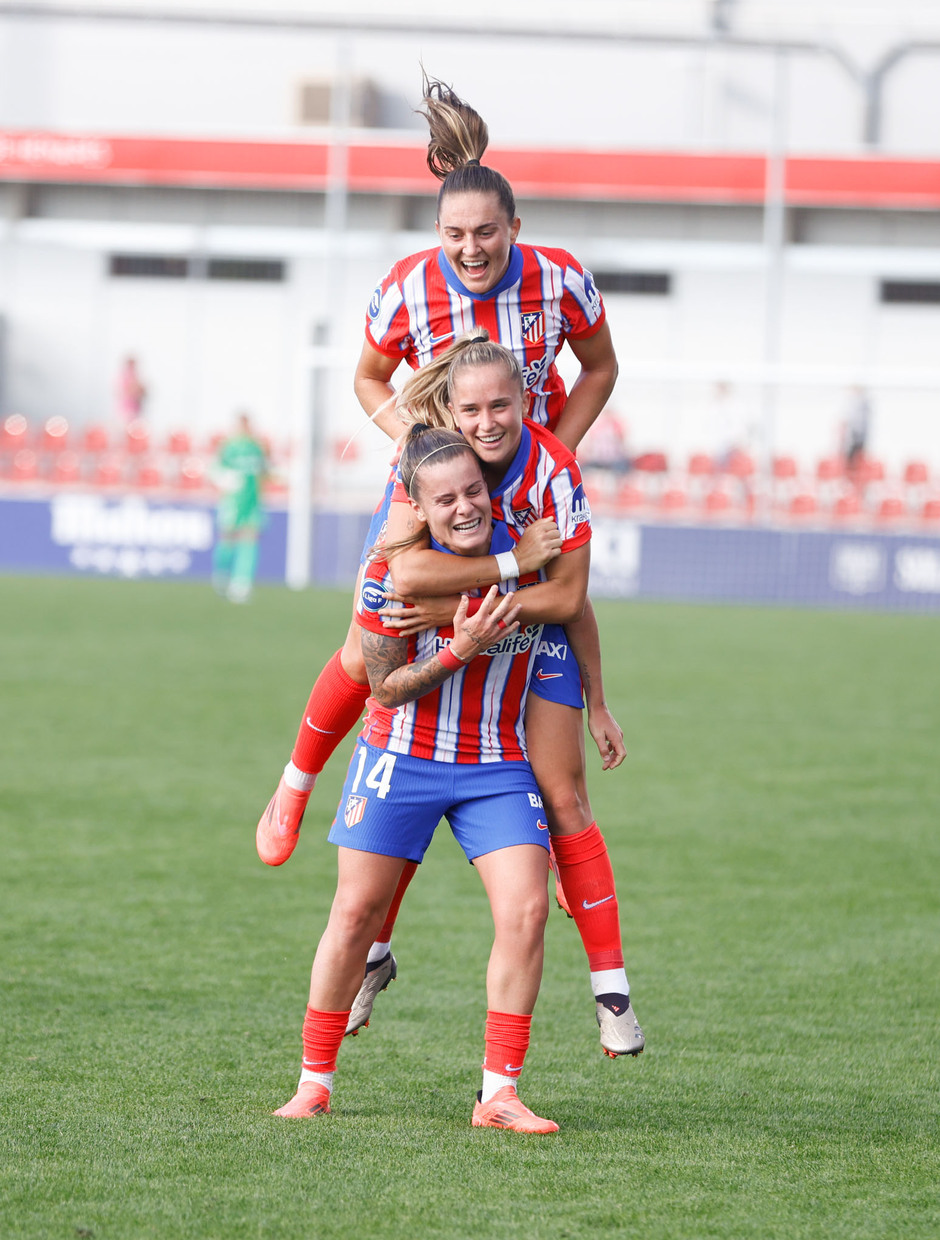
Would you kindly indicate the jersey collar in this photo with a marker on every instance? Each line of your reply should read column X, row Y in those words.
column 517, row 463
column 512, row 274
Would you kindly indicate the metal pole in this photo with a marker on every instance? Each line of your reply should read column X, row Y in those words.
column 311, row 375
column 774, row 254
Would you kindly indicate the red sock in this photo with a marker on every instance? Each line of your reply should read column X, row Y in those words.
column 588, row 881
column 507, row 1040
column 335, row 707
column 323, row 1036
column 407, row 874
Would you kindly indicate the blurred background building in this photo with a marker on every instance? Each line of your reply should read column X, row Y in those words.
column 215, row 189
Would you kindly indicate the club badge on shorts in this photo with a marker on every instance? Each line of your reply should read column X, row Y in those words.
column 355, row 808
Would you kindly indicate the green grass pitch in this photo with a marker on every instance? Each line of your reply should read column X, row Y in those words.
column 775, row 836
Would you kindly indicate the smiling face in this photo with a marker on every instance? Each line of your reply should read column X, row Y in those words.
column 452, row 497
column 476, row 236
column 488, row 405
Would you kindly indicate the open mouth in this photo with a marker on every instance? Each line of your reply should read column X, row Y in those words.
column 468, row 527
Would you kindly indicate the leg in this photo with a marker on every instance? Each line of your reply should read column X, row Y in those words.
column 335, row 706
column 365, row 886
column 555, row 738
column 244, row 565
column 515, row 882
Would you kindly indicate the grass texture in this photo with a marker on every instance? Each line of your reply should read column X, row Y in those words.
column 775, row 836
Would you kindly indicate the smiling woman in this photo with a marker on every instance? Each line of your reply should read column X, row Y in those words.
column 526, row 302
column 423, row 755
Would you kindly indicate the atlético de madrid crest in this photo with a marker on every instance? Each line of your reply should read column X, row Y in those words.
column 355, row 808
column 533, row 326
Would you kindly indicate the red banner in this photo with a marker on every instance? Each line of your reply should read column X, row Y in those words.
column 371, row 167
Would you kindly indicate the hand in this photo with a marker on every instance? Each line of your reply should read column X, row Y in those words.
column 608, row 737
column 414, row 615
column 495, row 620
column 540, row 543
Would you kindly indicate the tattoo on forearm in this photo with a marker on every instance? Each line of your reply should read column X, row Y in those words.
column 392, row 678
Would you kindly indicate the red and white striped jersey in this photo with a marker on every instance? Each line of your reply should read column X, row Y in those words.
column 542, row 480
column 545, row 298
column 476, row 715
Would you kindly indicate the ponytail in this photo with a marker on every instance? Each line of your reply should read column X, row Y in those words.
column 458, row 139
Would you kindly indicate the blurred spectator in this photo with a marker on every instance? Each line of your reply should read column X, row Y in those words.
column 857, row 427
column 605, row 445
column 239, row 472
column 131, row 391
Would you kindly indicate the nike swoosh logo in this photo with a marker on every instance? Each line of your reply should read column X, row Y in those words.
column 542, row 826
column 594, row 903
column 440, row 339
column 324, row 731
column 548, row 675
column 512, row 1067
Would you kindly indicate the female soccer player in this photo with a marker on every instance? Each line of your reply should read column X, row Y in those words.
column 443, row 737
column 533, row 300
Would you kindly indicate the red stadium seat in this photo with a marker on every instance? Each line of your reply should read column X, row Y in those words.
column 630, row 497
column 15, row 433
column 784, row 468
column 803, row 505
column 66, row 468
column 95, row 440
column 891, row 508
column 931, row 510
column 179, row 443
column 651, row 463
column 137, row 437
column 673, row 500
column 149, row 474
column 916, row 473
column 829, row 469
column 193, row 474
column 701, row 465
column 25, row 466
column 846, row 506
column 740, row 465
column 109, row 472
column 55, row 434
column 718, row 503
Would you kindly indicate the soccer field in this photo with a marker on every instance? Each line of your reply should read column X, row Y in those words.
column 775, row 836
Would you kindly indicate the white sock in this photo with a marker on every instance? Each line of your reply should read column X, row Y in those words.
column 610, row 982
column 378, row 951
column 321, row 1078
column 493, row 1083
column 297, row 779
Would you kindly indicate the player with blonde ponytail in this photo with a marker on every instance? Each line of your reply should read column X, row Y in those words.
column 533, row 301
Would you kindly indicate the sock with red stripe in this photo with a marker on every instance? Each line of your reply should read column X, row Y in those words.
column 588, row 881
column 323, row 1036
column 507, row 1040
column 334, row 708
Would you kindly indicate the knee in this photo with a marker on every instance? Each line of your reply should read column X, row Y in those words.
column 524, row 920
column 566, row 805
column 355, row 917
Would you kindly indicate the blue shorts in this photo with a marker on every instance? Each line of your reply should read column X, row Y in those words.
column 555, row 673
column 391, row 804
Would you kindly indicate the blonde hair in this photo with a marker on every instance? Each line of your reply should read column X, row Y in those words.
column 425, row 395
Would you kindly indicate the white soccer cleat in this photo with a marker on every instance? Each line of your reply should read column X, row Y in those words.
column 378, row 975
column 620, row 1030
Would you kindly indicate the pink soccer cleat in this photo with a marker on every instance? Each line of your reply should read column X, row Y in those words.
column 279, row 828
column 310, row 1099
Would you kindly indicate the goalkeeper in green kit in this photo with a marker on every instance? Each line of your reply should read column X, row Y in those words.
column 239, row 472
